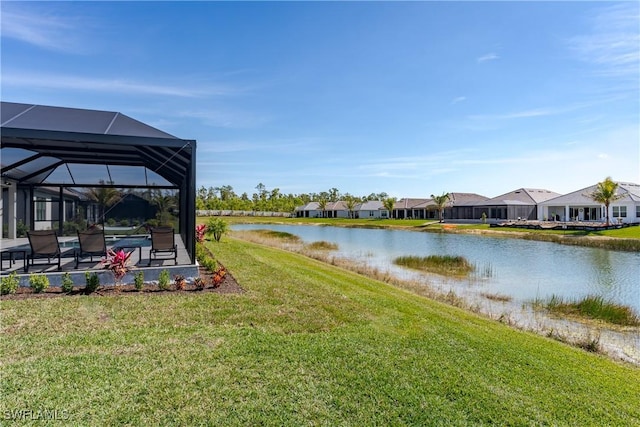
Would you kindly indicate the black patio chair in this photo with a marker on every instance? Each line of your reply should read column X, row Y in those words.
column 44, row 244
column 92, row 243
column 163, row 240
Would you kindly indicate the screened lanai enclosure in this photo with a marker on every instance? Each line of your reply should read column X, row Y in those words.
column 68, row 169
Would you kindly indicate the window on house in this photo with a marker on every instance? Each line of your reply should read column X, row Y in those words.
column 41, row 209
column 619, row 211
column 638, row 211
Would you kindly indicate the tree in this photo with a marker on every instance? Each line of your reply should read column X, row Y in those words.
column 441, row 202
column 605, row 193
column 165, row 204
column 322, row 204
column 350, row 202
column 388, row 204
column 104, row 196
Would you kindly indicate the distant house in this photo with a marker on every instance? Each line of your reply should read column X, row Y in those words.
column 409, row 208
column 337, row 210
column 371, row 209
column 579, row 206
column 310, row 210
column 517, row 204
column 464, row 206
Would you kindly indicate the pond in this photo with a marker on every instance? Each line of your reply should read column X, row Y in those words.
column 522, row 269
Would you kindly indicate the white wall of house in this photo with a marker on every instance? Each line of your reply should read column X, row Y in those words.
column 626, row 212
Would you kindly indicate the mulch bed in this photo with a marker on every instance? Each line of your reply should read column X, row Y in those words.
column 229, row 285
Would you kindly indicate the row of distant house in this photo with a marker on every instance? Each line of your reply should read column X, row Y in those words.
column 523, row 203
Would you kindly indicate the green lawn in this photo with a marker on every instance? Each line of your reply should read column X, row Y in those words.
column 307, row 344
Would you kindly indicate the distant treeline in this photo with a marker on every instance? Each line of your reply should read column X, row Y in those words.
column 224, row 198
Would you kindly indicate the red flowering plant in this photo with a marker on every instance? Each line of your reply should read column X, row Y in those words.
column 201, row 229
column 118, row 263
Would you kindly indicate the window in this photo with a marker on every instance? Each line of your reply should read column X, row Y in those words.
column 638, row 211
column 41, row 209
column 370, row 213
column 619, row 211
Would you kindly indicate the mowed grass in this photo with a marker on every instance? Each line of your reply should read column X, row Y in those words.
column 306, row 344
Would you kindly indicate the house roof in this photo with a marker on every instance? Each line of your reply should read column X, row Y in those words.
column 467, row 199
column 371, row 205
column 409, row 203
column 522, row 196
column 628, row 191
column 47, row 145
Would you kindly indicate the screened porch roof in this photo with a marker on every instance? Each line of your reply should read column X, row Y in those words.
column 45, row 145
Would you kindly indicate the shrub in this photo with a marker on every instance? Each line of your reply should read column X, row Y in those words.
column 93, row 282
column 218, row 277
column 201, row 229
column 124, row 223
column 210, row 264
column 111, row 222
column 163, row 280
column 67, row 283
column 199, row 282
column 9, row 284
column 21, row 228
column 138, row 280
column 39, row 282
column 180, row 282
column 217, row 227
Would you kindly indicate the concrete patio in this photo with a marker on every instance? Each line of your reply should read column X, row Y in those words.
column 14, row 251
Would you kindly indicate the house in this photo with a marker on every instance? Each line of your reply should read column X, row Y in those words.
column 464, row 206
column 371, row 209
column 310, row 210
column 409, row 208
column 517, row 204
column 579, row 206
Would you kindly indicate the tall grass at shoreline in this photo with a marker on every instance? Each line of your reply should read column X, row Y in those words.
column 322, row 246
column 593, row 307
column 446, row 265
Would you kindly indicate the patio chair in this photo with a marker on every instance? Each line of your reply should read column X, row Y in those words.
column 44, row 244
column 92, row 243
column 163, row 241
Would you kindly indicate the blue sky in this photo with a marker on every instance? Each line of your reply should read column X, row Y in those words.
column 410, row 98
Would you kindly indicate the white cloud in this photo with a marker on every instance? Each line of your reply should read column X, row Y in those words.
column 612, row 45
column 458, row 99
column 488, row 57
column 42, row 29
column 69, row 82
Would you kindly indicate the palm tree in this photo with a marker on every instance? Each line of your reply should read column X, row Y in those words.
column 441, row 202
column 165, row 204
column 605, row 193
column 104, row 197
column 388, row 204
column 350, row 203
column 322, row 204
